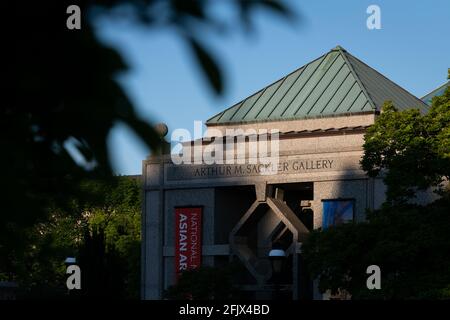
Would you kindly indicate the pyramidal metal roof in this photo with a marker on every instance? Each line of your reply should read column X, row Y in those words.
column 335, row 83
column 435, row 93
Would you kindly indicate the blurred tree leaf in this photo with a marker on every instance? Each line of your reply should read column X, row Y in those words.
column 62, row 87
column 208, row 65
column 278, row 7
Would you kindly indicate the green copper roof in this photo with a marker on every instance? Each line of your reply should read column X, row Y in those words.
column 335, row 83
column 435, row 93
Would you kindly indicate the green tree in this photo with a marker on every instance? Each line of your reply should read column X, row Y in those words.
column 408, row 242
column 400, row 143
column 119, row 220
column 41, row 272
column 105, row 229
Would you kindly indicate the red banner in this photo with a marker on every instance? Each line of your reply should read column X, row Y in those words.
column 188, row 244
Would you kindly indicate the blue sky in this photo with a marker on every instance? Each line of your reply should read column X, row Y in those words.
column 165, row 84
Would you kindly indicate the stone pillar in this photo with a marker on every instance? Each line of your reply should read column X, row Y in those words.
column 152, row 230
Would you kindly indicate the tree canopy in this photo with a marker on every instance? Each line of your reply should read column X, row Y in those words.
column 103, row 233
column 408, row 241
column 400, row 143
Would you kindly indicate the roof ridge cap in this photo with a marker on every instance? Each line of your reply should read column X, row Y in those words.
column 338, row 48
column 355, row 74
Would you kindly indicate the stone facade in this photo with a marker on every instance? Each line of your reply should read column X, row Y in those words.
column 326, row 157
column 253, row 203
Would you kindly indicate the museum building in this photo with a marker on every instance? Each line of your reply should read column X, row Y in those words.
column 231, row 214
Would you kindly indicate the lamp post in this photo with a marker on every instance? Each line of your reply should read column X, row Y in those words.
column 70, row 260
column 277, row 256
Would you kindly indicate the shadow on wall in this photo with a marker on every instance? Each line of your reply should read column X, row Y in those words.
column 344, row 198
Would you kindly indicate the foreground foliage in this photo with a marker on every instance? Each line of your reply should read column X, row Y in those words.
column 103, row 233
column 62, row 100
column 204, row 283
column 410, row 244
